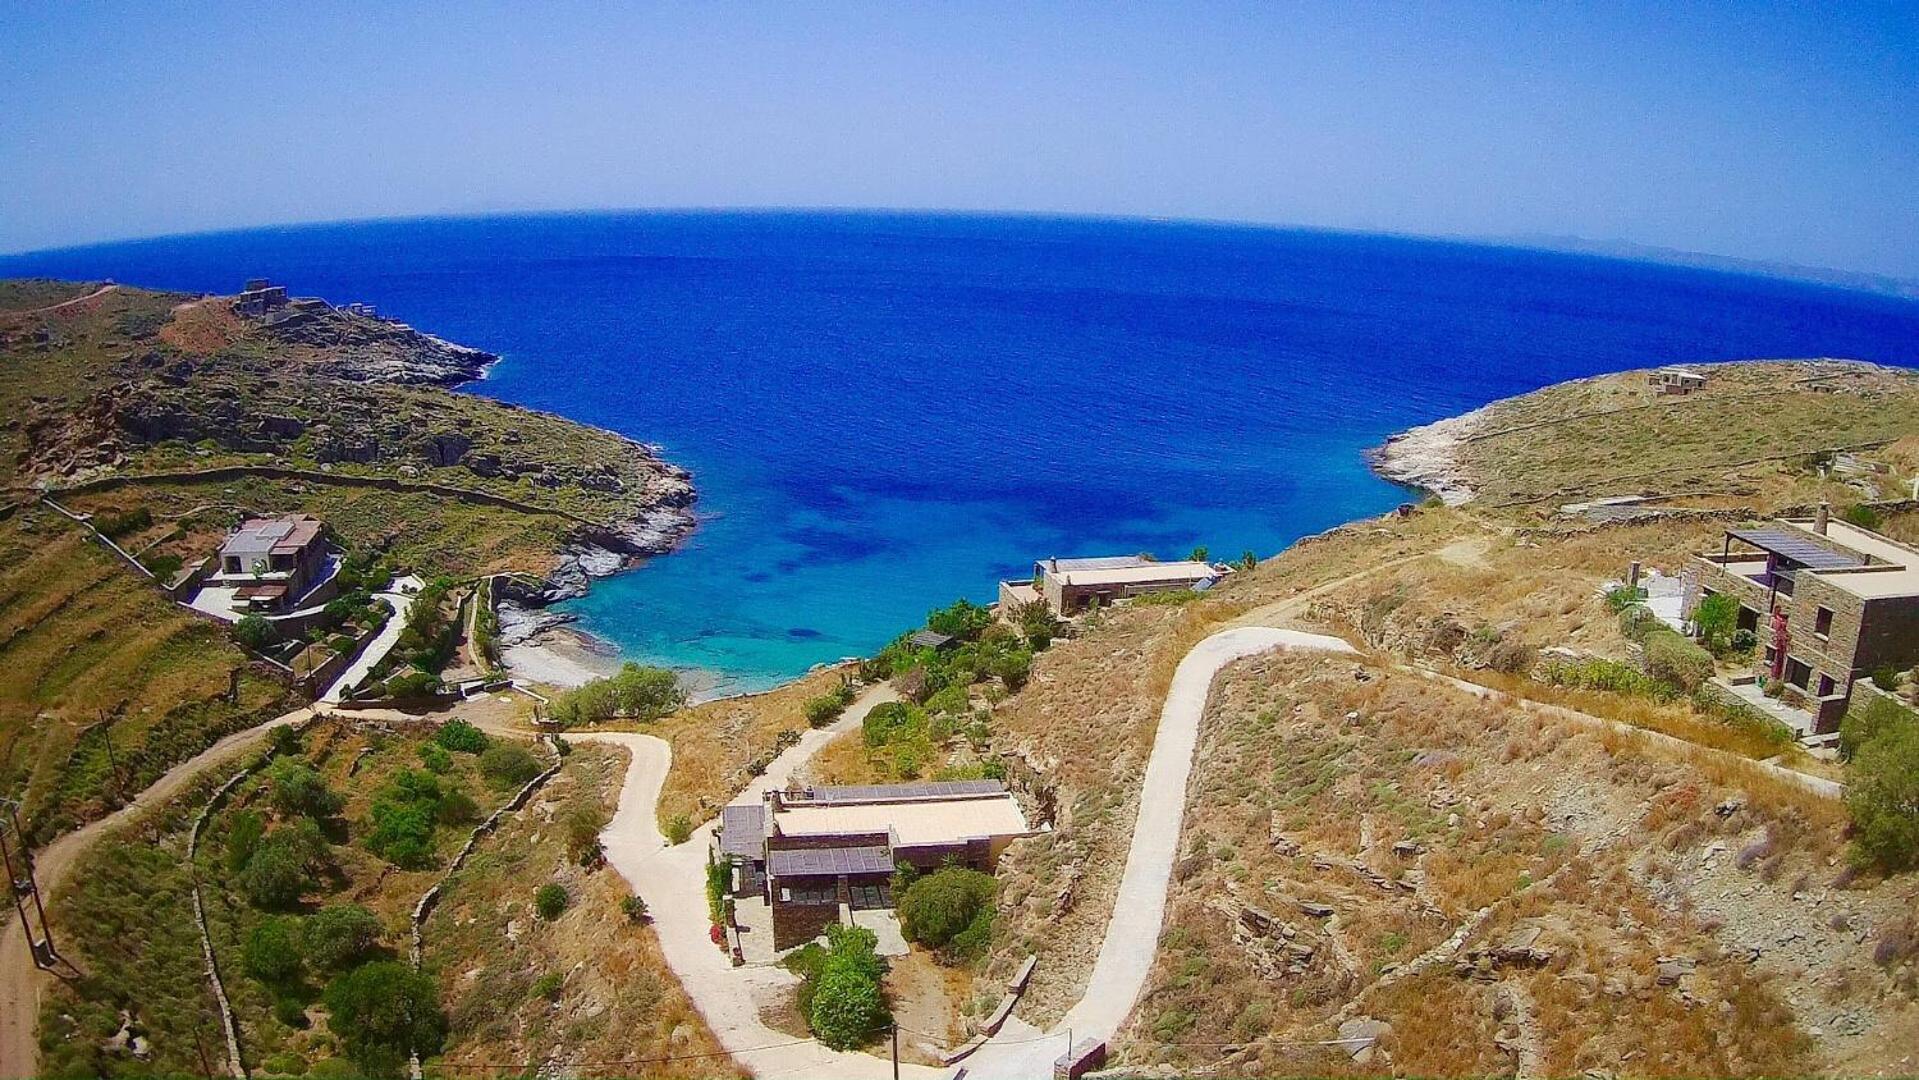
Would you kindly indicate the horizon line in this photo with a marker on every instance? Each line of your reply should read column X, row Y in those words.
column 1863, row 281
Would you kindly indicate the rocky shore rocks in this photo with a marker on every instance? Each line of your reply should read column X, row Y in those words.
column 1426, row 457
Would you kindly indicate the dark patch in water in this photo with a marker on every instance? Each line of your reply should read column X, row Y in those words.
column 801, row 633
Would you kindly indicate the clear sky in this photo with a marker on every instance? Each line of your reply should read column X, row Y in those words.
column 1775, row 132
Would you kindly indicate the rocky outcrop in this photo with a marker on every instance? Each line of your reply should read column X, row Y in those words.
column 365, row 348
column 1426, row 457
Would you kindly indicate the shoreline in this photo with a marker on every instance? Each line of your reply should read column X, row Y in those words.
column 1426, row 458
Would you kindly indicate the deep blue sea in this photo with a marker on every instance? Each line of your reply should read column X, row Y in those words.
column 884, row 412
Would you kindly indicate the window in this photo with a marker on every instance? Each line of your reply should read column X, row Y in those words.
column 1822, row 622
column 812, row 892
column 1825, row 685
column 871, row 897
column 1798, row 672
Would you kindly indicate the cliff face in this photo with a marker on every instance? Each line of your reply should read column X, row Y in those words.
column 364, row 348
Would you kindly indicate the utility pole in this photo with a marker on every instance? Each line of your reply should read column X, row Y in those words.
column 896, row 1050
column 17, row 861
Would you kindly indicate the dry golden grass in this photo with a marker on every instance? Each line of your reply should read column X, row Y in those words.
column 716, row 743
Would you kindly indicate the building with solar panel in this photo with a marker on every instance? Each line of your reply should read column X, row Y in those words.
column 1828, row 602
column 818, row 856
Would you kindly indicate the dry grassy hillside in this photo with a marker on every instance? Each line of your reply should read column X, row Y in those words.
column 1750, row 434
column 90, row 652
column 1506, row 892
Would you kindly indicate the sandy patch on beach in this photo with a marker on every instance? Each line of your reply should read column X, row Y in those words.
column 561, row 657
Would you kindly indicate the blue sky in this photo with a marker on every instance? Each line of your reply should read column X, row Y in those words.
column 1771, row 132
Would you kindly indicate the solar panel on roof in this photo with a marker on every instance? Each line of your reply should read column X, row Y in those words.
column 804, row 861
column 849, row 793
column 1796, row 548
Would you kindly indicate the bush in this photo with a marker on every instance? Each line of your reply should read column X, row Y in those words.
column 1621, row 597
column 826, row 708
column 272, row 952
column 253, row 631
column 462, row 737
column 1867, row 721
column 163, row 567
column 1636, row 621
column 1714, row 619
column 508, row 765
column 1861, row 515
column 889, row 721
column 382, row 1013
column 1038, row 623
column 282, row 865
column 635, row 692
column 115, row 526
column 1608, row 675
column 634, row 909
column 414, row 685
column 403, row 817
column 848, row 1006
column 1744, row 641
column 1886, row 677
column 296, row 790
column 243, row 836
column 583, row 838
column 937, row 909
column 679, row 829
column 962, row 619
column 550, row 901
column 1882, row 794
column 436, row 760
column 549, row 986
column 340, row 935
column 718, row 877
column 1672, row 659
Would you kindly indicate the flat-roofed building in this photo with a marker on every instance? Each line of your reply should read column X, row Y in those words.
column 1829, row 602
column 272, row 562
column 815, row 855
column 1069, row 586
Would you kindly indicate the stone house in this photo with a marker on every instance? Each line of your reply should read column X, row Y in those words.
column 274, row 562
column 816, row 855
column 1069, row 586
column 1828, row 601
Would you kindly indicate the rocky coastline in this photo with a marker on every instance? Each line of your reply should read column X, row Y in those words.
column 1427, row 457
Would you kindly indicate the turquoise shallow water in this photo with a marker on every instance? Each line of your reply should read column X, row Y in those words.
column 884, row 412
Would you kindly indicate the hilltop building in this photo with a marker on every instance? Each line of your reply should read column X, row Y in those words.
column 1069, row 586
column 272, row 563
column 1829, row 602
column 260, row 297
column 818, row 856
column 1675, row 380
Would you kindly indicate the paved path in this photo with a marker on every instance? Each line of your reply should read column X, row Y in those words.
column 1132, row 937
column 672, row 881
column 401, row 598
column 21, row 984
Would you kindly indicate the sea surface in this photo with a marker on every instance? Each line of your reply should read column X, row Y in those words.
column 884, row 412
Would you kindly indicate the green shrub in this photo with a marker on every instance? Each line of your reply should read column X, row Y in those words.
column 550, row 901
column 403, row 817
column 717, row 881
column 1038, row 623
column 436, row 760
column 847, row 1004
column 1608, row 675
column 1861, row 515
column 508, row 765
column 634, row 908
column 635, row 692
column 1672, row 659
column 1621, row 597
column 679, row 828
column 1882, row 794
column 1714, row 619
column 961, row 619
column 163, row 567
column 383, row 1012
column 1886, row 677
column 1868, row 719
column 253, row 631
column 272, row 952
column 826, row 708
column 462, row 737
column 549, row 985
column 414, row 685
column 115, row 526
column 938, row 908
column 1636, row 621
column 243, row 836
column 340, row 935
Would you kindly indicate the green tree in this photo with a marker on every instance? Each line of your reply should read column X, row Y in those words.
column 938, row 909
column 635, row 692
column 1038, row 623
column 1200, row 554
column 294, row 789
column 1882, row 793
column 1869, row 719
column 253, row 631
column 272, row 952
column 1714, row 619
column 849, row 1006
column 340, row 935
column 383, row 1012
column 283, row 864
column 890, row 721
column 508, row 765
